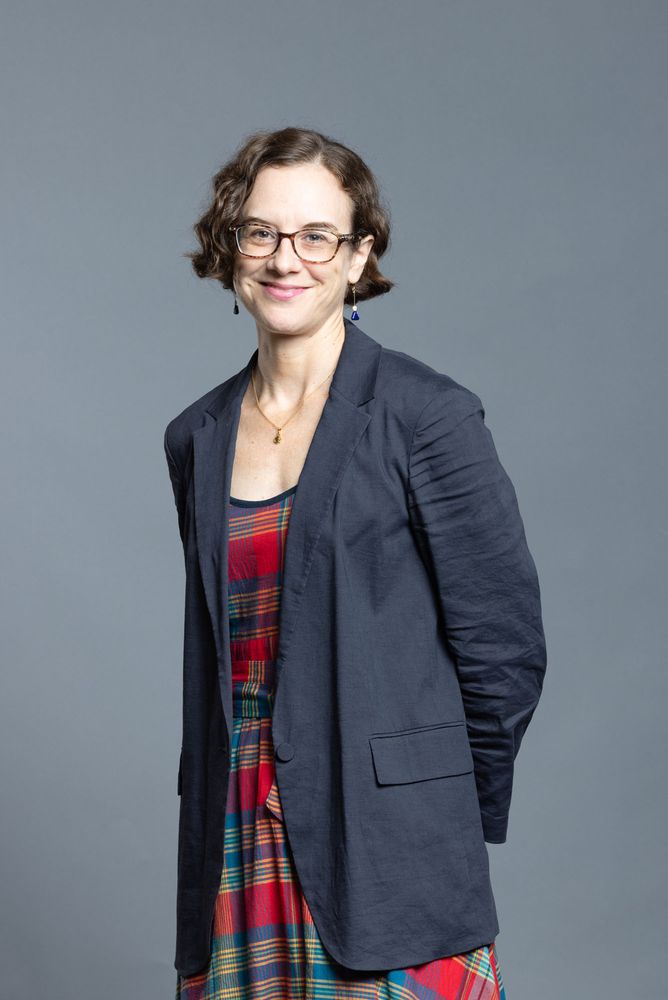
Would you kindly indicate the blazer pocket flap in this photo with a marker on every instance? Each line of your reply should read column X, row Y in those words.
column 416, row 754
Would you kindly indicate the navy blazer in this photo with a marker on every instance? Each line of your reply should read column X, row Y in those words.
column 411, row 658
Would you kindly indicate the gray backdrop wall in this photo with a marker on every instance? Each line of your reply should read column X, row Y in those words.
column 530, row 138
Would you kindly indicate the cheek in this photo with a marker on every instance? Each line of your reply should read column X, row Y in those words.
column 245, row 277
column 338, row 282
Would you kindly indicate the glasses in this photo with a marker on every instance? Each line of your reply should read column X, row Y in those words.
column 316, row 246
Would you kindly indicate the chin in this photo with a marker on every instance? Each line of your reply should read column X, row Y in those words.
column 285, row 322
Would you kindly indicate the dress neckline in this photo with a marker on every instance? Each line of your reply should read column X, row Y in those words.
column 239, row 502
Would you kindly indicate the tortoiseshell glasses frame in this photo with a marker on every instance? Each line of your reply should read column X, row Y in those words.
column 340, row 238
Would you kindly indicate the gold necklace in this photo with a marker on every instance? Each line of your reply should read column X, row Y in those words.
column 277, row 437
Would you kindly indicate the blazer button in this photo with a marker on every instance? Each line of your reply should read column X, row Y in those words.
column 285, row 751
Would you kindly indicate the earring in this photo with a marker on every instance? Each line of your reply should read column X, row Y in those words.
column 236, row 305
column 354, row 314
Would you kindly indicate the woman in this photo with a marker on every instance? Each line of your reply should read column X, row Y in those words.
column 363, row 644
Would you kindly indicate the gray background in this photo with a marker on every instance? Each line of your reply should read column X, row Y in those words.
column 521, row 148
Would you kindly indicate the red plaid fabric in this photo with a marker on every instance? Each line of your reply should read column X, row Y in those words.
column 265, row 943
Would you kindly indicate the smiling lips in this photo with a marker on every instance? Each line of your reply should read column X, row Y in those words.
column 283, row 292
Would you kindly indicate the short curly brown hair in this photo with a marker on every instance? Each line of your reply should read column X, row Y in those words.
column 234, row 181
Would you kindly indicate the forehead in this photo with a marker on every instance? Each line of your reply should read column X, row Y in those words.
column 295, row 195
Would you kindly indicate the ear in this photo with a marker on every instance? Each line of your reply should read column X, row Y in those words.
column 359, row 258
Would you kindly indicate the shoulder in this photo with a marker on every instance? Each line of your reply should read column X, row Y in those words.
column 412, row 389
column 178, row 432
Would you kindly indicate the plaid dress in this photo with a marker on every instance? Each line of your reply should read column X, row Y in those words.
column 265, row 945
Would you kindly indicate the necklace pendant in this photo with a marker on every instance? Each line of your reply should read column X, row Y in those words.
column 277, row 438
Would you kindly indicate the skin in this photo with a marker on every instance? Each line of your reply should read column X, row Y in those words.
column 299, row 339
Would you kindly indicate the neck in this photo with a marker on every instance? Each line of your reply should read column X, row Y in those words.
column 290, row 365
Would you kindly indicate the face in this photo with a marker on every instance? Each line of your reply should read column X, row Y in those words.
column 290, row 198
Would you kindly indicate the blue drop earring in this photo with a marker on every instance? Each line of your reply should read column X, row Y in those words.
column 354, row 314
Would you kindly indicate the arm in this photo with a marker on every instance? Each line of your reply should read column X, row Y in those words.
column 177, row 485
column 466, row 518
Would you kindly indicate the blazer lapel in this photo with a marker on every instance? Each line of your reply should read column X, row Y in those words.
column 338, row 432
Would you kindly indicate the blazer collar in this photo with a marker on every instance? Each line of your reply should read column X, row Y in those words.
column 354, row 376
column 338, row 432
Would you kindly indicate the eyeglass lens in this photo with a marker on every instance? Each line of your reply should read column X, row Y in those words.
column 310, row 244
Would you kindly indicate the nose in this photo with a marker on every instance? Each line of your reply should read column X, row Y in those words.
column 284, row 257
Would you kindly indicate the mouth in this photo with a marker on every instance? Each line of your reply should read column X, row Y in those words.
column 283, row 292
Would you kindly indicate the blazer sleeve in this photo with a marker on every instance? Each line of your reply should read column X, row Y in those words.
column 177, row 484
column 465, row 514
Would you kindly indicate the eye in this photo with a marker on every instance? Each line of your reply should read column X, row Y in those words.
column 256, row 233
column 317, row 237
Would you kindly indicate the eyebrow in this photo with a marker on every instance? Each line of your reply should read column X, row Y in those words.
column 308, row 225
